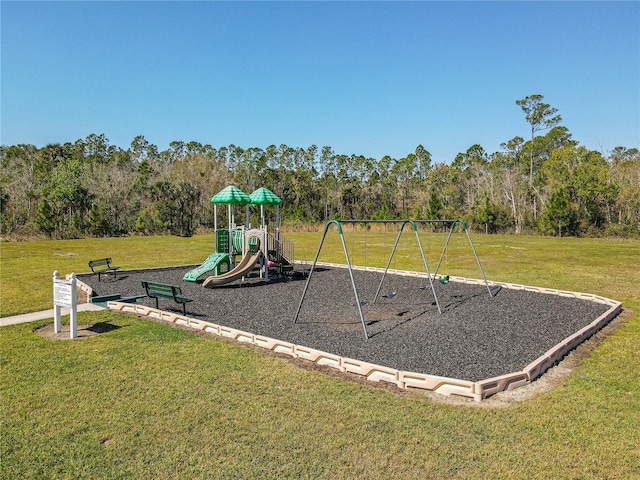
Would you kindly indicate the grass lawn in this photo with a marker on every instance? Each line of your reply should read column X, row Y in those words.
column 146, row 400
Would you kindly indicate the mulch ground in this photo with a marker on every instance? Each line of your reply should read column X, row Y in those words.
column 476, row 336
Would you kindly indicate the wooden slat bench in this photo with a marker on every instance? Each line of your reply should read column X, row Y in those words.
column 163, row 290
column 102, row 265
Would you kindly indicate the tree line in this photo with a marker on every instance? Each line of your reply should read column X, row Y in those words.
column 548, row 184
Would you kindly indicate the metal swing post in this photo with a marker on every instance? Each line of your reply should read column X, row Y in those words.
column 313, row 266
column 426, row 267
column 424, row 261
column 393, row 252
column 464, row 227
column 446, row 244
column 466, row 231
column 353, row 284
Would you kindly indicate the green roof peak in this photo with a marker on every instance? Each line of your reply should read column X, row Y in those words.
column 231, row 194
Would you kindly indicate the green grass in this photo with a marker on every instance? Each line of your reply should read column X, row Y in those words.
column 27, row 267
column 146, row 400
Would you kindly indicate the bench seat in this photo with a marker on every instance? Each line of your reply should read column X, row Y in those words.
column 115, row 297
column 164, row 290
column 102, row 265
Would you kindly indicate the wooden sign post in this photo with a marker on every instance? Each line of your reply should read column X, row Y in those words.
column 65, row 295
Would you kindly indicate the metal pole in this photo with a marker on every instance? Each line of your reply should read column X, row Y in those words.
column 453, row 224
column 215, row 227
column 393, row 251
column 426, row 266
column 313, row 266
column 355, row 290
column 232, row 258
column 477, row 259
column 424, row 261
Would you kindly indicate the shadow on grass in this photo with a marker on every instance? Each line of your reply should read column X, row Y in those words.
column 103, row 327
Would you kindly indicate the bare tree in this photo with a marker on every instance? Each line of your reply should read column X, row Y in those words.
column 540, row 116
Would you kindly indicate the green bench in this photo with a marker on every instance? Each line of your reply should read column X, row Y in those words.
column 102, row 300
column 102, row 265
column 163, row 290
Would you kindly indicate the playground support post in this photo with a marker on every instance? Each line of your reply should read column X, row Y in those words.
column 215, row 227
column 353, row 284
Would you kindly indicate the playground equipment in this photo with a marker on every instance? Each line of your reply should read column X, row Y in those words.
column 450, row 224
column 216, row 262
column 255, row 245
column 253, row 254
column 444, row 279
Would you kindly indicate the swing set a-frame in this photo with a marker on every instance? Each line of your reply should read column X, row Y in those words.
column 448, row 224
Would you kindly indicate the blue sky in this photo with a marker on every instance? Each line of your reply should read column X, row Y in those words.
column 364, row 78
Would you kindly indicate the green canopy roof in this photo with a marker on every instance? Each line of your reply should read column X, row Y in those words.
column 231, row 194
column 264, row 196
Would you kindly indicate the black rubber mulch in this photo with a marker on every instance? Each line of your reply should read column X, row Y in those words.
column 476, row 337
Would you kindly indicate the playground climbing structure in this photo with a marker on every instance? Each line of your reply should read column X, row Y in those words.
column 256, row 247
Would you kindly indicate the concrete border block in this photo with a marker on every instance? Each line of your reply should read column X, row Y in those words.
column 123, row 307
column 179, row 320
column 88, row 291
column 436, row 383
column 372, row 372
column 212, row 328
column 277, row 346
column 540, row 365
column 234, row 334
column 319, row 357
column 510, row 381
column 197, row 324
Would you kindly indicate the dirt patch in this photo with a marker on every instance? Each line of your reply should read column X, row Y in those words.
column 84, row 331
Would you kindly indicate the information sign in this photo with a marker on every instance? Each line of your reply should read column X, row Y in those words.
column 62, row 294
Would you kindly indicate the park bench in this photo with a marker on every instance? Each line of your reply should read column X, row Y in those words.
column 102, row 300
column 102, row 265
column 163, row 290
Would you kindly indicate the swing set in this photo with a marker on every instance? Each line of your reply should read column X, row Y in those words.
column 449, row 225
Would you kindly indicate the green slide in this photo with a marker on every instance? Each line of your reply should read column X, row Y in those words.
column 216, row 262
